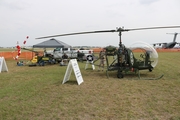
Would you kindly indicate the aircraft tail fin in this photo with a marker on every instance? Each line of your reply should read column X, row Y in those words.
column 175, row 36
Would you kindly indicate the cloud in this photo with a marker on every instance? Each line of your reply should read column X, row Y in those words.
column 147, row 2
column 37, row 18
column 13, row 4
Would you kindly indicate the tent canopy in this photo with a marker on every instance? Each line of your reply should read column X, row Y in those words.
column 52, row 43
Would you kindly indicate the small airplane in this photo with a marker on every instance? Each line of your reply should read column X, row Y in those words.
column 170, row 44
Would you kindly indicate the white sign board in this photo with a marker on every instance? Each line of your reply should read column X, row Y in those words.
column 3, row 66
column 73, row 65
column 89, row 59
column 87, row 63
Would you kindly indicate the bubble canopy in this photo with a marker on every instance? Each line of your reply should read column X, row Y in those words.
column 146, row 47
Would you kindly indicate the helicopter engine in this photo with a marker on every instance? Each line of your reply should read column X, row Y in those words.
column 122, row 55
column 125, row 60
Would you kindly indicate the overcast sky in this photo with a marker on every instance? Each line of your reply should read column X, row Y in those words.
column 37, row 18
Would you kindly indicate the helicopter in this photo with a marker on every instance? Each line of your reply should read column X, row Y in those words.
column 170, row 44
column 125, row 59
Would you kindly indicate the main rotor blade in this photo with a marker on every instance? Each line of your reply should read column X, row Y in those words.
column 173, row 33
column 153, row 28
column 102, row 31
column 77, row 33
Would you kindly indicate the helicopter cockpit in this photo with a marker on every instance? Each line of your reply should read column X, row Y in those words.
column 145, row 52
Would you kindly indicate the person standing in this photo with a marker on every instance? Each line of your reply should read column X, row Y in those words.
column 64, row 59
column 102, row 59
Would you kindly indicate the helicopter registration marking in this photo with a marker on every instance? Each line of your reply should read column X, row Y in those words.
column 131, row 58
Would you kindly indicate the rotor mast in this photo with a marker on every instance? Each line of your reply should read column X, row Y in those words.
column 120, row 30
column 120, row 42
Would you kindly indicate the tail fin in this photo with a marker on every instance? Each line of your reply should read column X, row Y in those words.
column 175, row 36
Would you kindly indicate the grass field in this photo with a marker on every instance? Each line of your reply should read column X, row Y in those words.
column 35, row 93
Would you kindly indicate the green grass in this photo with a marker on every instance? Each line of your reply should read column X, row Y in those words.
column 38, row 93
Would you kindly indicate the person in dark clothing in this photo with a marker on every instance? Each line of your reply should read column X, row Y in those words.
column 64, row 59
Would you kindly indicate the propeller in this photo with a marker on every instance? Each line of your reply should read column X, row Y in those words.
column 120, row 29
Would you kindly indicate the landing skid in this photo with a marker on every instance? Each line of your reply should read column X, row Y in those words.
column 156, row 78
column 120, row 76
